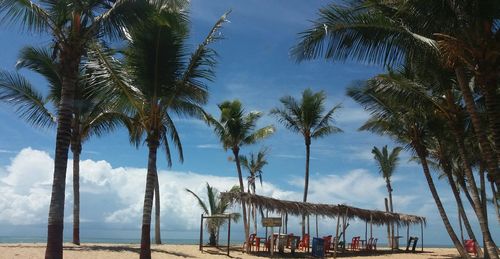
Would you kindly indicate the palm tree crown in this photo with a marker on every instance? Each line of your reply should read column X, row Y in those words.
column 386, row 161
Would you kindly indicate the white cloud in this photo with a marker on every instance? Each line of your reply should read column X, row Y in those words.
column 209, row 146
column 116, row 193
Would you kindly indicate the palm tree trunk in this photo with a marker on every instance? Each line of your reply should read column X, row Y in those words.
column 495, row 201
column 480, row 133
column 435, row 195
column 461, row 211
column 70, row 59
column 148, row 201
column 76, row 150
column 486, row 154
column 493, row 111
column 157, row 211
column 236, row 151
column 389, row 188
column 306, row 181
column 389, row 239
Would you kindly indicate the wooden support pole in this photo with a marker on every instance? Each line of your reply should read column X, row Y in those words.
column 317, row 233
column 228, row 233
column 422, row 234
column 371, row 226
column 344, row 228
column 336, row 238
column 271, row 248
column 201, row 233
column 407, row 233
column 366, row 232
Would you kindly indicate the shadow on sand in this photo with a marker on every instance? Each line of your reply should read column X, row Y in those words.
column 119, row 248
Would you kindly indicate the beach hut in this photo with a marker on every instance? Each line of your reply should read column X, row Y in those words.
column 341, row 211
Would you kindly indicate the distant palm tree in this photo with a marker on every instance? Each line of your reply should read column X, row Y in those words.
column 307, row 117
column 236, row 129
column 387, row 163
column 161, row 77
column 216, row 206
column 72, row 26
column 91, row 117
column 254, row 164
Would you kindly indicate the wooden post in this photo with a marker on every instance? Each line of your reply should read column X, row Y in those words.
column 271, row 247
column 407, row 233
column 286, row 223
column 317, row 233
column 366, row 232
column 228, row 233
column 201, row 233
column 371, row 226
column 344, row 228
column 336, row 237
column 267, row 215
column 422, row 234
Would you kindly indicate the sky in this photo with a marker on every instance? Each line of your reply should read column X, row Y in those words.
column 255, row 67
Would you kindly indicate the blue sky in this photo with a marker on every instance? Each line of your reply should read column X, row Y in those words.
column 255, row 67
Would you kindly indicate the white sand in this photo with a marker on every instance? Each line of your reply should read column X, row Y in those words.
column 124, row 251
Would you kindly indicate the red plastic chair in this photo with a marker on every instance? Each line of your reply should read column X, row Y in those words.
column 304, row 243
column 327, row 243
column 354, row 245
column 470, row 246
column 268, row 242
column 251, row 241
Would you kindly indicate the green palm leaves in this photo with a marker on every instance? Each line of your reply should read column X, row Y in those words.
column 307, row 116
column 235, row 128
column 216, row 206
column 386, row 161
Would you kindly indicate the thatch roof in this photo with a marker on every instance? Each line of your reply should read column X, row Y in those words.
column 327, row 210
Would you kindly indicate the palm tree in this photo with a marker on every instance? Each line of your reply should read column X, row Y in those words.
column 254, row 164
column 91, row 118
column 387, row 163
column 408, row 124
column 461, row 35
column 306, row 117
column 166, row 79
column 72, row 25
column 216, row 206
column 236, row 129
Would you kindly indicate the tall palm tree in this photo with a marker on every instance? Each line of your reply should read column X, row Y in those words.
column 166, row 80
column 307, row 117
column 463, row 35
column 236, row 129
column 254, row 164
column 216, row 206
column 91, row 117
column 387, row 163
column 410, row 125
column 72, row 25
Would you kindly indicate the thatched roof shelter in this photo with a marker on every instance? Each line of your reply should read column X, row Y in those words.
column 327, row 210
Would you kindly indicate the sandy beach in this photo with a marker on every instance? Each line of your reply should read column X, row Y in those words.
column 125, row 251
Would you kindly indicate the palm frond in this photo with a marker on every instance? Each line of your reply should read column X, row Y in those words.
column 29, row 104
column 200, row 201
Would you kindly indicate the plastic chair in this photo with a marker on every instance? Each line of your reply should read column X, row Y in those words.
column 354, row 245
column 304, row 242
column 267, row 244
column 251, row 241
column 327, row 243
column 470, row 246
column 369, row 244
column 289, row 240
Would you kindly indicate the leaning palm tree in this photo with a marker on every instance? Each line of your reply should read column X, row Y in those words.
column 166, row 80
column 387, row 163
column 72, row 26
column 462, row 35
column 91, row 117
column 236, row 129
column 307, row 117
column 254, row 164
column 216, row 206
column 410, row 125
